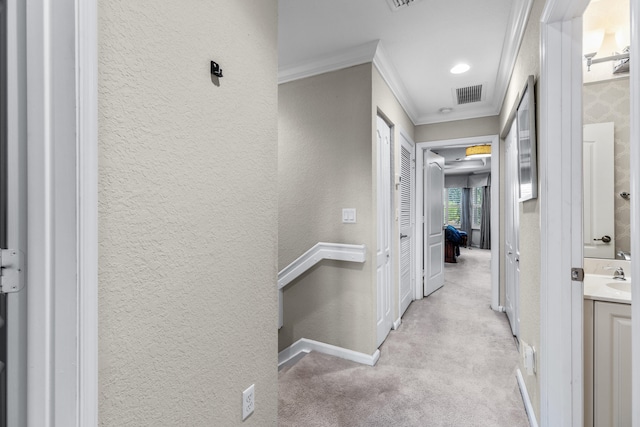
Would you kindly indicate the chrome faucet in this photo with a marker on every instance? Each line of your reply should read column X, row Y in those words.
column 619, row 274
column 624, row 255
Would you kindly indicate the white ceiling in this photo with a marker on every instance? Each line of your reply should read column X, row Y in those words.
column 414, row 48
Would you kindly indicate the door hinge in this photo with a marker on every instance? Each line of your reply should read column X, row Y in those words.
column 12, row 277
column 577, row 274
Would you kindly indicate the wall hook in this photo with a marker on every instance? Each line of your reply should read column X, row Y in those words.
column 215, row 69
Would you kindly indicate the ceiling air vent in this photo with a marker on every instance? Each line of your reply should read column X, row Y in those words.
column 399, row 4
column 469, row 94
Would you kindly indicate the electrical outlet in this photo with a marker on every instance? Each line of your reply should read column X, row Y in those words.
column 248, row 402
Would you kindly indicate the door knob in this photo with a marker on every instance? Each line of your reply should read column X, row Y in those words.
column 402, row 236
column 604, row 239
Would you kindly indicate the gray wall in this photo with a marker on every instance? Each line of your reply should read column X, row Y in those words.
column 325, row 164
column 608, row 101
column 187, row 212
column 457, row 129
column 527, row 63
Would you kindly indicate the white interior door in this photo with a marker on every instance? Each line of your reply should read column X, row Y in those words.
column 407, row 224
column 512, row 231
column 384, row 316
column 599, row 224
column 434, row 221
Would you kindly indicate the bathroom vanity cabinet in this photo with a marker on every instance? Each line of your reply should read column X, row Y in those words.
column 607, row 364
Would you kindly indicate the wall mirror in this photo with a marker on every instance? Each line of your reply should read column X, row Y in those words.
column 606, row 103
column 526, row 125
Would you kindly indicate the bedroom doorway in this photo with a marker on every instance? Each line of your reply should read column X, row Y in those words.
column 493, row 198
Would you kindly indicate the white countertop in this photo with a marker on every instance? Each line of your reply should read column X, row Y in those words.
column 595, row 288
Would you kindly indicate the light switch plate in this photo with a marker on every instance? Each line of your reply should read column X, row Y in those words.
column 349, row 216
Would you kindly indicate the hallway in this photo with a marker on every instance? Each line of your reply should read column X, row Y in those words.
column 452, row 362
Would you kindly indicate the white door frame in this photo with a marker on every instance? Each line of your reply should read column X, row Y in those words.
column 495, row 209
column 62, row 220
column 561, row 300
column 16, row 209
column 635, row 204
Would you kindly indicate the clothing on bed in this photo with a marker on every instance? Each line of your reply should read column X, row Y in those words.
column 455, row 236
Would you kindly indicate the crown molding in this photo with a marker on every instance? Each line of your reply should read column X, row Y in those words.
column 369, row 52
column 390, row 75
column 476, row 113
column 375, row 53
column 518, row 19
column 336, row 61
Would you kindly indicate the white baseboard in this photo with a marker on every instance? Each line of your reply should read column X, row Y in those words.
column 499, row 309
column 304, row 345
column 527, row 401
column 397, row 323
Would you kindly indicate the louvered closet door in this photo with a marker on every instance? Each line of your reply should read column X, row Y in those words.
column 407, row 224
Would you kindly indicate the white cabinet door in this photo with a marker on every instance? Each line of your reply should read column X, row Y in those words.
column 588, row 320
column 612, row 365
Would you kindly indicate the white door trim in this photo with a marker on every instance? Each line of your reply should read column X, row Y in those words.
column 560, row 164
column 421, row 147
column 62, row 220
column 87, row 209
column 635, row 205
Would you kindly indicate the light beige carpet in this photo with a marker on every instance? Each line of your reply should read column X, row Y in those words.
column 451, row 363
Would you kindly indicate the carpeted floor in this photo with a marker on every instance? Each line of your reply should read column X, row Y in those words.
column 451, row 363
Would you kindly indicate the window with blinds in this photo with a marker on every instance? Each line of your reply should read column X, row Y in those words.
column 453, row 206
column 476, row 207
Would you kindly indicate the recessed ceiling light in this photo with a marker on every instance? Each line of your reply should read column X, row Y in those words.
column 460, row 68
column 445, row 110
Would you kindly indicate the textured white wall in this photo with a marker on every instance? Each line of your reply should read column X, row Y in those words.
column 528, row 63
column 187, row 212
column 324, row 165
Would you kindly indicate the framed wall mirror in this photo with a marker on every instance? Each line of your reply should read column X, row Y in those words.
column 526, row 125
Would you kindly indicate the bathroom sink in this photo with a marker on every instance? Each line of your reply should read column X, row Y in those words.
column 620, row 286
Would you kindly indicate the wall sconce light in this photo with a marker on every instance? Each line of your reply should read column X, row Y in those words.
column 592, row 41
